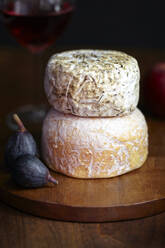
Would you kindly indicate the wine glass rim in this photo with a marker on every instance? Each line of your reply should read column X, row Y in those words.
column 36, row 10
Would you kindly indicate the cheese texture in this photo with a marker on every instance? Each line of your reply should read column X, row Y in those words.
column 93, row 83
column 86, row 147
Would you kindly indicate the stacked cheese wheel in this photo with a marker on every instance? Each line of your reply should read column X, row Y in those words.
column 93, row 129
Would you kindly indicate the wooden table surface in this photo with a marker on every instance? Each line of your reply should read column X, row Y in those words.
column 21, row 230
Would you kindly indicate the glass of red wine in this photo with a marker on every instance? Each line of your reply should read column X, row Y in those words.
column 36, row 25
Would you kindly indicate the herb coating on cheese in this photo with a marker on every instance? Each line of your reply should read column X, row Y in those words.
column 93, row 82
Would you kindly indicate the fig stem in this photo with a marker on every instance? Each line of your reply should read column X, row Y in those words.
column 52, row 180
column 19, row 123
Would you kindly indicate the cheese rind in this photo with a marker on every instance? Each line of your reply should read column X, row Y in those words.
column 94, row 147
column 93, row 82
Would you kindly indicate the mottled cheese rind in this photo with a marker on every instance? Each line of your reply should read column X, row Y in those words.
column 84, row 147
column 93, row 82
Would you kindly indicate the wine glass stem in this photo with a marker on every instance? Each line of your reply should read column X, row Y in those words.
column 37, row 79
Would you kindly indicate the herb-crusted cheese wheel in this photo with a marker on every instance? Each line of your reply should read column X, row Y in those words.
column 93, row 83
column 94, row 147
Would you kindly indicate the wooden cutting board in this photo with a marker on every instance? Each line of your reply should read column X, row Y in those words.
column 134, row 195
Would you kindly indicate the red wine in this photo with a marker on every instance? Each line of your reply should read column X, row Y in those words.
column 37, row 32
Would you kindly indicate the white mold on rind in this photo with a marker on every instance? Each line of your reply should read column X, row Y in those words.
column 93, row 82
column 86, row 147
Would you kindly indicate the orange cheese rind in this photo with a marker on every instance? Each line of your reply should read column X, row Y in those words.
column 86, row 147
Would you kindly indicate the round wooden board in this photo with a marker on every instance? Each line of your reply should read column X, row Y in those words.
column 137, row 194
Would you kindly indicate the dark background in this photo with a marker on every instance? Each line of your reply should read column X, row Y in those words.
column 112, row 23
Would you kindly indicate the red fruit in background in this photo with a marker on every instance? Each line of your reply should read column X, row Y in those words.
column 154, row 90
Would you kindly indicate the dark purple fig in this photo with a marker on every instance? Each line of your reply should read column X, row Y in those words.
column 30, row 172
column 20, row 143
